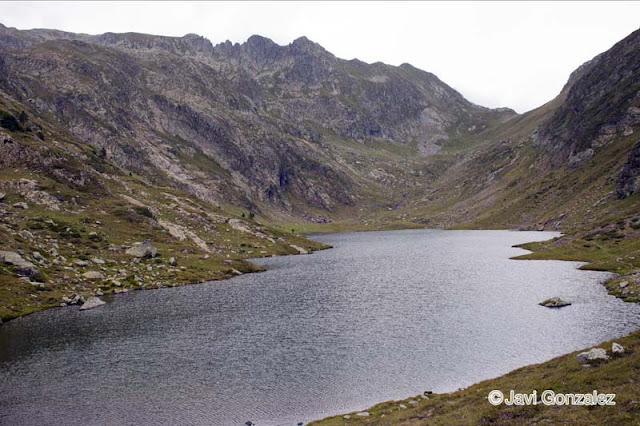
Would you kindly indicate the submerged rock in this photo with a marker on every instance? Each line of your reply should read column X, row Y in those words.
column 143, row 249
column 554, row 302
column 92, row 302
column 595, row 354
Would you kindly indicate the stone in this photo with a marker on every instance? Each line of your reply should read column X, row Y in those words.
column 554, row 302
column 617, row 348
column 93, row 275
column 81, row 263
column 26, row 234
column 142, row 250
column 173, row 261
column 300, row 249
column 37, row 256
column 623, row 284
column 402, row 406
column 346, row 417
column 413, row 402
column 97, row 261
column 363, row 414
column 21, row 205
column 2, row 196
column 21, row 266
column 74, row 299
column 92, row 302
column 595, row 354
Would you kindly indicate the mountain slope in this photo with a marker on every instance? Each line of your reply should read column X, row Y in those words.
column 260, row 115
column 174, row 139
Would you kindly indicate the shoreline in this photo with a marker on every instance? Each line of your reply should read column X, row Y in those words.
column 470, row 405
column 377, row 407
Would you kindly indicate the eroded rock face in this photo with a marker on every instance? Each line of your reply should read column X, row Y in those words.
column 22, row 266
column 629, row 179
column 143, row 249
column 257, row 113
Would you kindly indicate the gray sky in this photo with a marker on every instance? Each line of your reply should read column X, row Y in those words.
column 516, row 54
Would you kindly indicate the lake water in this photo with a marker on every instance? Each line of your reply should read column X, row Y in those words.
column 383, row 315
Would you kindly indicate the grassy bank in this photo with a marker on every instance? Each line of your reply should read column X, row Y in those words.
column 564, row 374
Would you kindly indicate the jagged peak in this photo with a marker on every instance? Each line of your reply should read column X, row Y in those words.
column 257, row 39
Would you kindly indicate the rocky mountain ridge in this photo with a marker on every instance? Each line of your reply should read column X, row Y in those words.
column 218, row 153
column 259, row 111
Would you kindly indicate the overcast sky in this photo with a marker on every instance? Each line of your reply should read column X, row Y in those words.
column 496, row 54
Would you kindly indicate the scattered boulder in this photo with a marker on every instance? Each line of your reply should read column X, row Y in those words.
column 97, row 261
column 173, row 261
column 554, row 302
column 22, row 267
column 595, row 354
column 93, row 275
column 346, row 417
column 142, row 250
column 623, row 284
column 617, row 348
column 74, row 299
column 92, row 302
column 2, row 196
column 37, row 256
column 26, row 234
column 81, row 263
column 300, row 249
column 363, row 414
column 21, row 205
column 413, row 402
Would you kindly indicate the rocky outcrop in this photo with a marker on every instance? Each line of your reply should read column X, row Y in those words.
column 594, row 354
column 93, row 275
column 617, row 348
column 591, row 116
column 143, row 249
column 21, row 266
column 92, row 302
column 629, row 179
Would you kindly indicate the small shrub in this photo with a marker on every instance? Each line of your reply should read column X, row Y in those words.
column 9, row 122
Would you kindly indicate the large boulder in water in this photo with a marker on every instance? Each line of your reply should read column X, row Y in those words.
column 554, row 302
column 143, row 249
